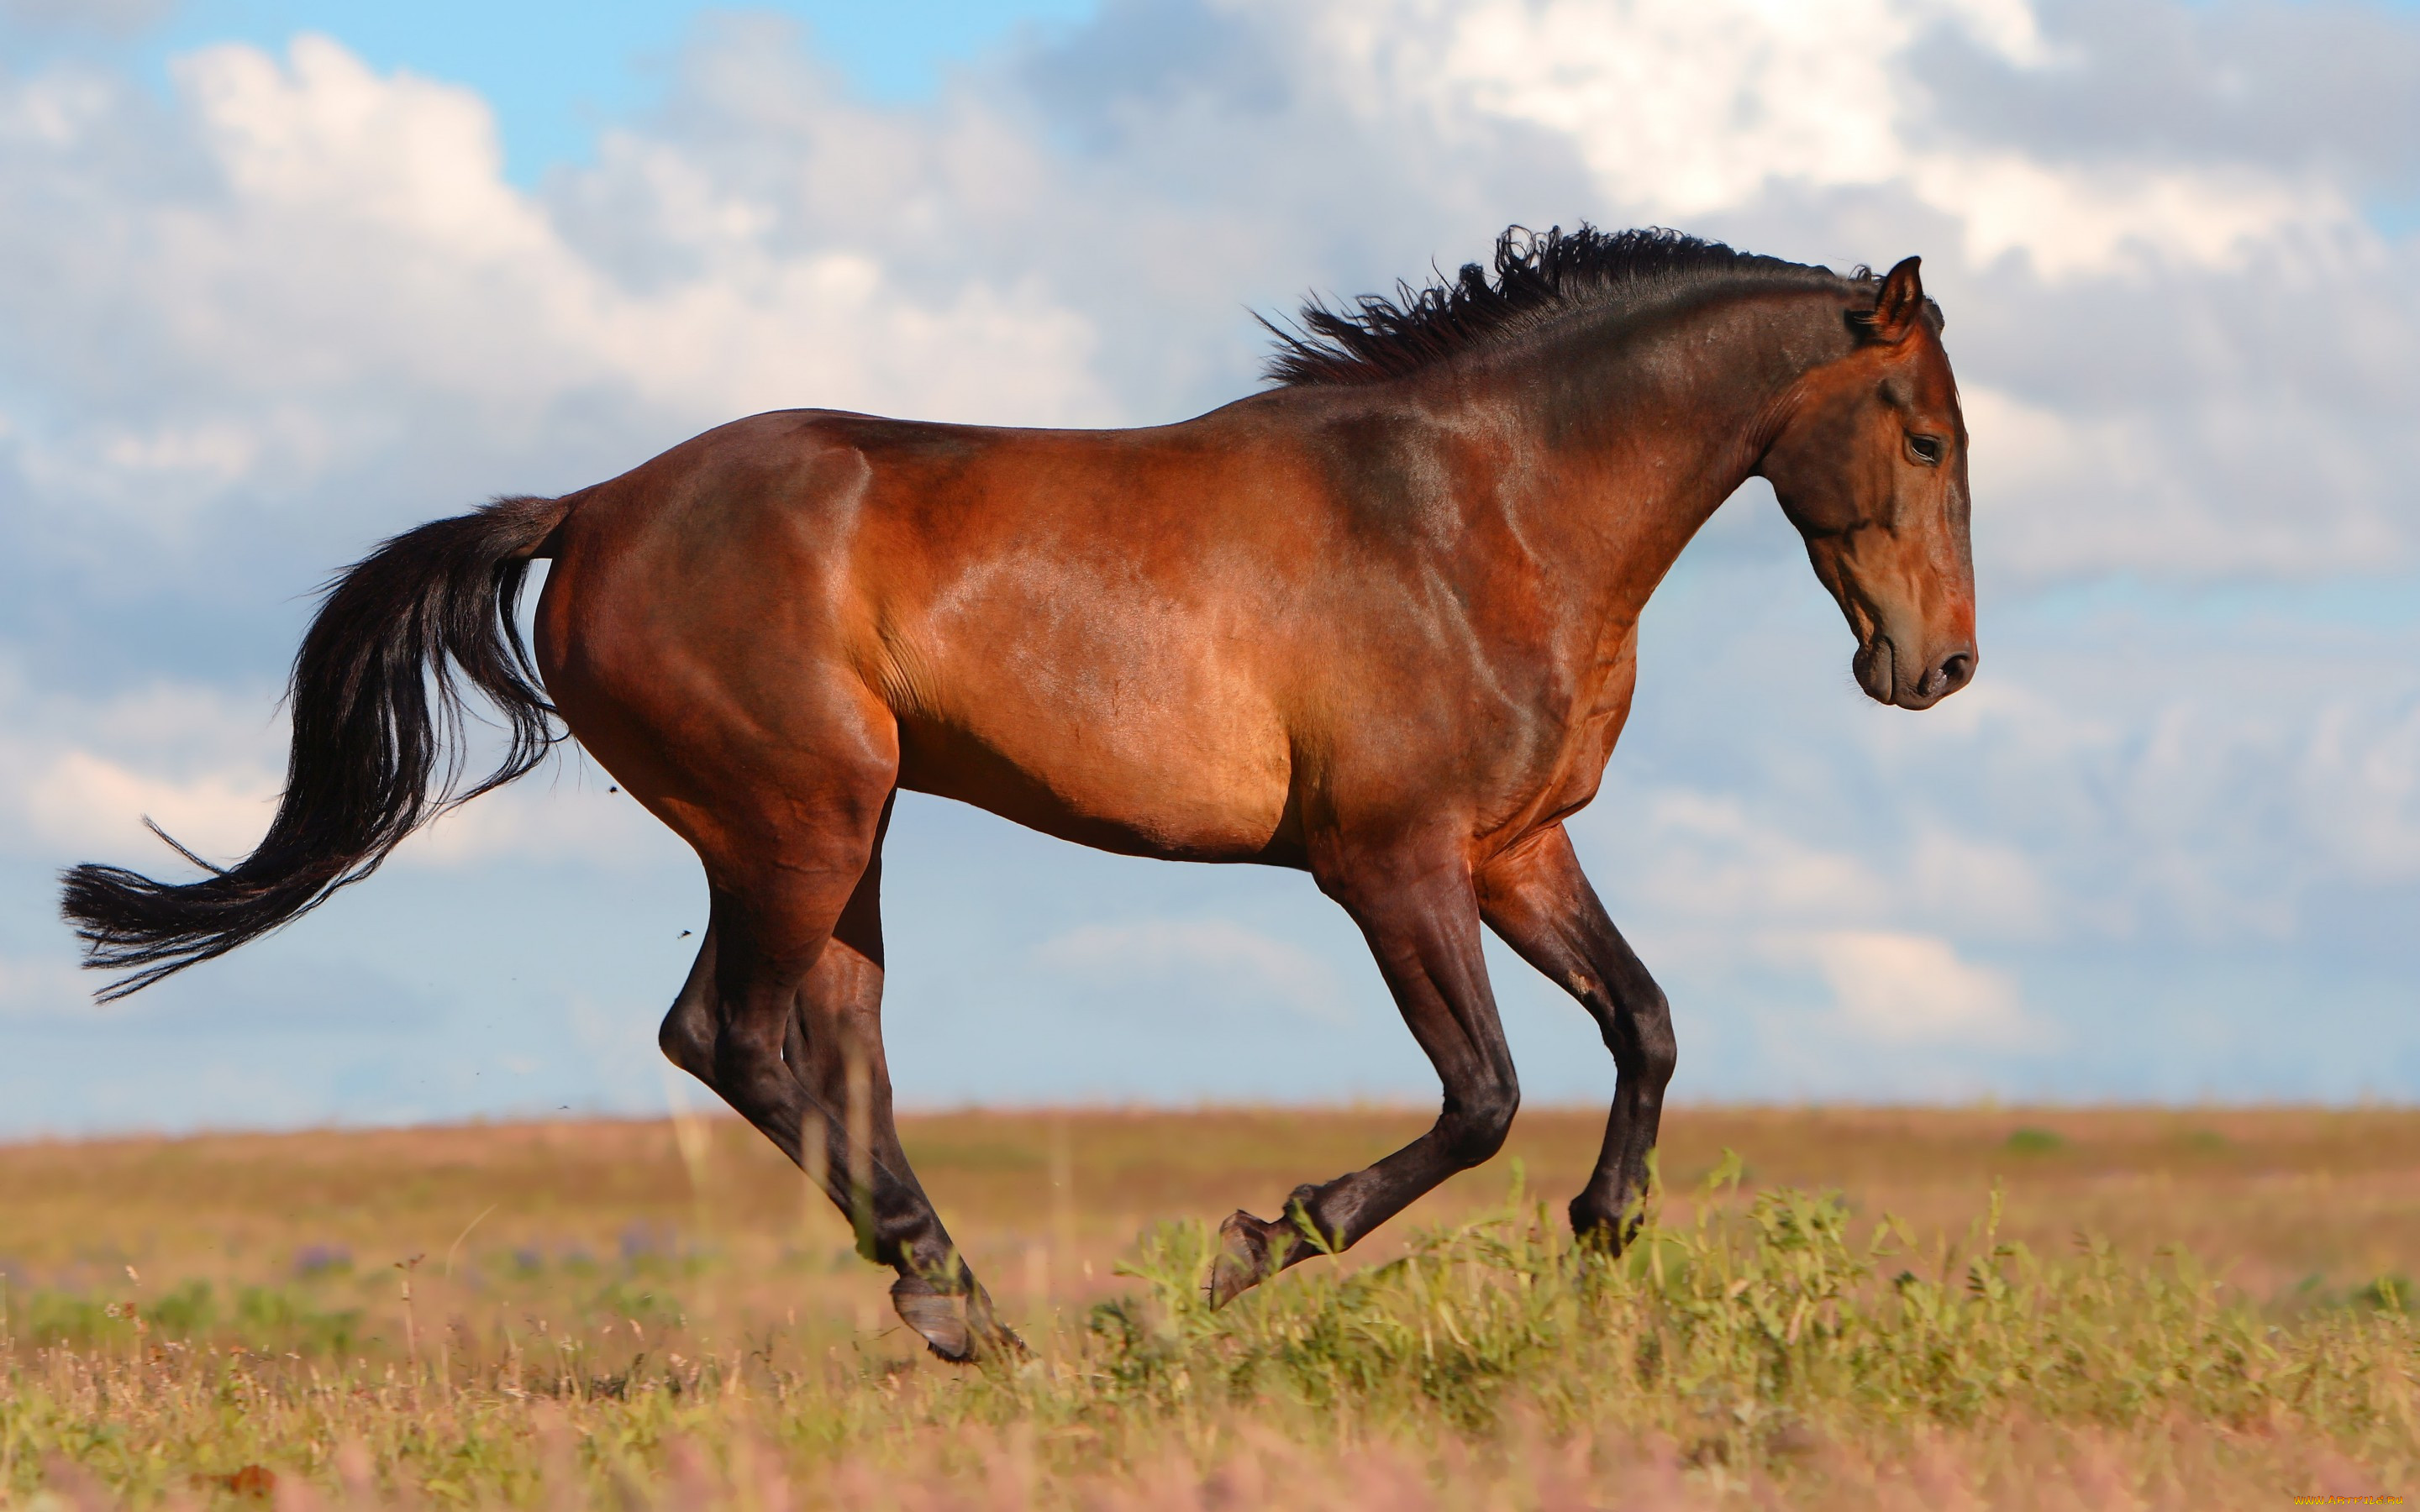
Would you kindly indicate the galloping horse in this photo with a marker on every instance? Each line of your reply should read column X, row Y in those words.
column 1378, row 622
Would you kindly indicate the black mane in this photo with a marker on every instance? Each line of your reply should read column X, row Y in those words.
column 1537, row 278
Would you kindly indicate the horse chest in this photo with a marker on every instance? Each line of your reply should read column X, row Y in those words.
column 1590, row 726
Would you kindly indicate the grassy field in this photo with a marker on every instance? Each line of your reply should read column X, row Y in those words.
column 1919, row 1308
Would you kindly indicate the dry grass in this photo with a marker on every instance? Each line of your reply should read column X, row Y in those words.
column 634, row 1311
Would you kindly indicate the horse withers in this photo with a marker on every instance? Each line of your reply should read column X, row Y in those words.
column 1377, row 622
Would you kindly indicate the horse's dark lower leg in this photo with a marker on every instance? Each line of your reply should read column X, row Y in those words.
column 835, row 1040
column 1422, row 925
column 834, row 1050
column 741, row 1024
column 1539, row 901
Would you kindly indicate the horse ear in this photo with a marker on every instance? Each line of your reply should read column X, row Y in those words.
column 1900, row 307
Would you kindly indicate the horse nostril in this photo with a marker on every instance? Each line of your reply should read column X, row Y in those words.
column 1956, row 669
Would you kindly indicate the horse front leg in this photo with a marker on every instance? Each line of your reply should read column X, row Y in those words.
column 1538, row 902
column 1422, row 920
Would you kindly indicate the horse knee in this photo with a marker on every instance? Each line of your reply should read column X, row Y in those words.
column 1638, row 1031
column 1476, row 1125
column 1659, row 1050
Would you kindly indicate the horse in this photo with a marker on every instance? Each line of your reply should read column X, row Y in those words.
column 1376, row 621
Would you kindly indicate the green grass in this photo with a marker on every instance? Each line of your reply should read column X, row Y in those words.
column 2035, row 1142
column 1725, row 1332
column 1765, row 1350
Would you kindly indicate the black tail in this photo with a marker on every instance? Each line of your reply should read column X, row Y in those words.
column 434, row 605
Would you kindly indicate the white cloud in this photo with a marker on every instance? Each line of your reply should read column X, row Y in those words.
column 78, row 777
column 344, row 252
column 2070, row 222
column 82, row 802
column 1897, row 989
column 2067, row 494
column 310, row 265
column 1684, row 110
column 294, row 304
column 575, row 817
column 1236, row 957
column 1710, row 857
column 1697, row 114
column 327, row 136
column 1991, row 886
column 2358, row 786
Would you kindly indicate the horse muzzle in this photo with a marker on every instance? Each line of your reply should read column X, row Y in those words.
column 1884, row 674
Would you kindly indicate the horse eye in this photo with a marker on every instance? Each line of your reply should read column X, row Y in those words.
column 1925, row 449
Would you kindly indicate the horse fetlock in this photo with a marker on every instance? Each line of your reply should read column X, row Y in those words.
column 901, row 1237
column 1301, row 1227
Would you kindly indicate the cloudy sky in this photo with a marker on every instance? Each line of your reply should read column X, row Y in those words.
column 280, row 279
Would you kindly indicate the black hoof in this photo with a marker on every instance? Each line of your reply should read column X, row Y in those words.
column 1596, row 1229
column 1250, row 1252
column 957, row 1326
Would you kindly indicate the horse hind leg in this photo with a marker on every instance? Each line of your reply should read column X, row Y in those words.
column 786, row 955
column 834, row 1049
column 687, row 1034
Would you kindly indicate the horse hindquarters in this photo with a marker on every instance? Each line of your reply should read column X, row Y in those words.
column 779, row 769
column 781, row 1016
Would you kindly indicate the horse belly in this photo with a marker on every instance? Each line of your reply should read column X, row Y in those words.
column 1142, row 737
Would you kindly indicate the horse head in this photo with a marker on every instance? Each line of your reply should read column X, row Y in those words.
column 1869, row 463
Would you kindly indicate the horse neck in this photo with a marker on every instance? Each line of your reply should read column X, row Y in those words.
column 1636, row 426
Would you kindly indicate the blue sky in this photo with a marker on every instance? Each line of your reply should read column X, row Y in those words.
column 554, row 73
column 278, row 280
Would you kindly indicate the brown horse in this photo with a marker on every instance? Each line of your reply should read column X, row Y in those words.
column 1378, row 622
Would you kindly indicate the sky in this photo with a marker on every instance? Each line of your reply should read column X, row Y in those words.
column 278, row 280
